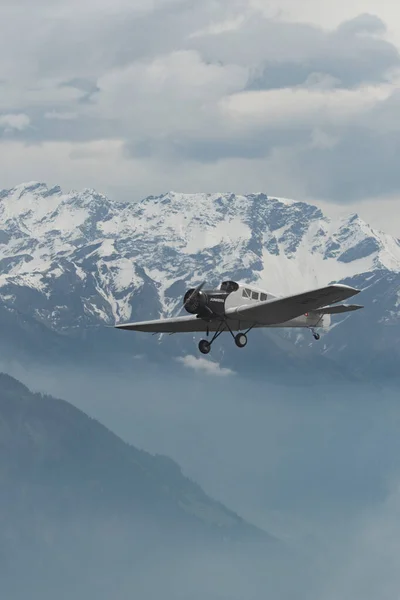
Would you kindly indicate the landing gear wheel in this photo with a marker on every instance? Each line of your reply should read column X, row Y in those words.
column 316, row 336
column 204, row 346
column 241, row 340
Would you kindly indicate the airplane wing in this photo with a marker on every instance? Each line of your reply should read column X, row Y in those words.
column 171, row 325
column 273, row 312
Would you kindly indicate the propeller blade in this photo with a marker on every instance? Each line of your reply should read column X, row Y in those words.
column 195, row 291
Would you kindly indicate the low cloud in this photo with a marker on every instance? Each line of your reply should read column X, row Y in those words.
column 205, row 366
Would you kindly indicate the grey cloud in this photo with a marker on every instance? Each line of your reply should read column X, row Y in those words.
column 276, row 75
column 88, row 88
column 364, row 164
column 174, row 127
column 52, row 124
column 354, row 58
column 343, row 54
column 81, row 129
column 81, row 42
column 81, row 84
column 361, row 166
column 258, row 40
column 364, row 161
column 359, row 162
column 74, row 52
column 365, row 23
column 218, row 146
column 84, row 48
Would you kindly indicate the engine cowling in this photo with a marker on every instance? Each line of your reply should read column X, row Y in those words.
column 196, row 302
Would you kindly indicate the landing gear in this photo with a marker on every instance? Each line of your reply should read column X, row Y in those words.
column 204, row 346
column 316, row 336
column 241, row 340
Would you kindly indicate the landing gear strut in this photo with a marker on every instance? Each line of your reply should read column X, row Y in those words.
column 240, row 338
column 205, row 345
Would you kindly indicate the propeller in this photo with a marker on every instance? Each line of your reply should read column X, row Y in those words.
column 193, row 294
column 188, row 299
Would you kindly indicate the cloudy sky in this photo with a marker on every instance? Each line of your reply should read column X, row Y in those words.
column 296, row 99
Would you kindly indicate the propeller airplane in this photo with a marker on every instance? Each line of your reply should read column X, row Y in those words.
column 238, row 308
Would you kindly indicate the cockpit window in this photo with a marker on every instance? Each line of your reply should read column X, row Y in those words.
column 246, row 293
column 263, row 297
column 254, row 295
column 229, row 286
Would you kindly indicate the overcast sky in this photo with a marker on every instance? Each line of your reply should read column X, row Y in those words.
column 296, row 99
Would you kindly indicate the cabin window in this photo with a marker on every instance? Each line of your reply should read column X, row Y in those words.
column 254, row 295
column 263, row 297
column 246, row 293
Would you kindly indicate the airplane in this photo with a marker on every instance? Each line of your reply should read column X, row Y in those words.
column 241, row 307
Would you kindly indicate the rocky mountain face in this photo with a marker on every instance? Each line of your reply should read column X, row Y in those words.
column 74, row 263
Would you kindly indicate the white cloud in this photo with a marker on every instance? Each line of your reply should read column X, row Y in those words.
column 14, row 121
column 173, row 94
column 205, row 366
column 287, row 106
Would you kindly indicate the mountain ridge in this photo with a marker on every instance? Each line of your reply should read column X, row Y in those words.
column 42, row 436
column 80, row 510
column 78, row 261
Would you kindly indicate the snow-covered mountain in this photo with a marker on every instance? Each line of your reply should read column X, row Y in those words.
column 71, row 262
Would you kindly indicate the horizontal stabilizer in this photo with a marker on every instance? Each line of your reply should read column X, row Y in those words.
column 335, row 310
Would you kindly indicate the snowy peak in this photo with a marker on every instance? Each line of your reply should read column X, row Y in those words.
column 351, row 239
column 35, row 208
